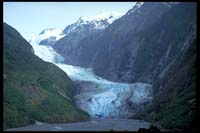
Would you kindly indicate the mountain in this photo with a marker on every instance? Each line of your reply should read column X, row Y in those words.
column 85, row 28
column 34, row 90
column 99, row 21
column 68, row 39
column 106, row 46
column 152, row 43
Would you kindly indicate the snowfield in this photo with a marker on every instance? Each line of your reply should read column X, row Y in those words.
column 97, row 95
column 110, row 16
column 47, row 33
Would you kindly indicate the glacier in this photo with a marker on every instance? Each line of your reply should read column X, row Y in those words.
column 97, row 95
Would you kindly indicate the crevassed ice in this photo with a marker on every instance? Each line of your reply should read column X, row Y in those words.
column 113, row 101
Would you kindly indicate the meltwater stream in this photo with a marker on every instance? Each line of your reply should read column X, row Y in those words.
column 98, row 96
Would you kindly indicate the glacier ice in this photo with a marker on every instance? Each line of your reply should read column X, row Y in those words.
column 97, row 95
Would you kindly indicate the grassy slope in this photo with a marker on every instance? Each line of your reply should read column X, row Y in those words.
column 32, row 87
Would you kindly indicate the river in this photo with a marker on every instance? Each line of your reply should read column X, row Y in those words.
column 93, row 125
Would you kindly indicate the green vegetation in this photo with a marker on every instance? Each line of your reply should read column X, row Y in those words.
column 31, row 87
column 180, row 113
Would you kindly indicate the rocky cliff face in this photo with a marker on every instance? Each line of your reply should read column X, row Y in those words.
column 145, row 53
column 174, row 102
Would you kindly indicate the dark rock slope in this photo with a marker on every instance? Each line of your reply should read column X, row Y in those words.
column 142, row 55
column 174, row 102
column 34, row 89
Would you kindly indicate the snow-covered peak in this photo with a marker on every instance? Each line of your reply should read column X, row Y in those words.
column 52, row 34
column 138, row 4
column 97, row 22
column 135, row 7
column 106, row 16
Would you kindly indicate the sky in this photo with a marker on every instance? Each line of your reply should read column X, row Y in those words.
column 30, row 18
